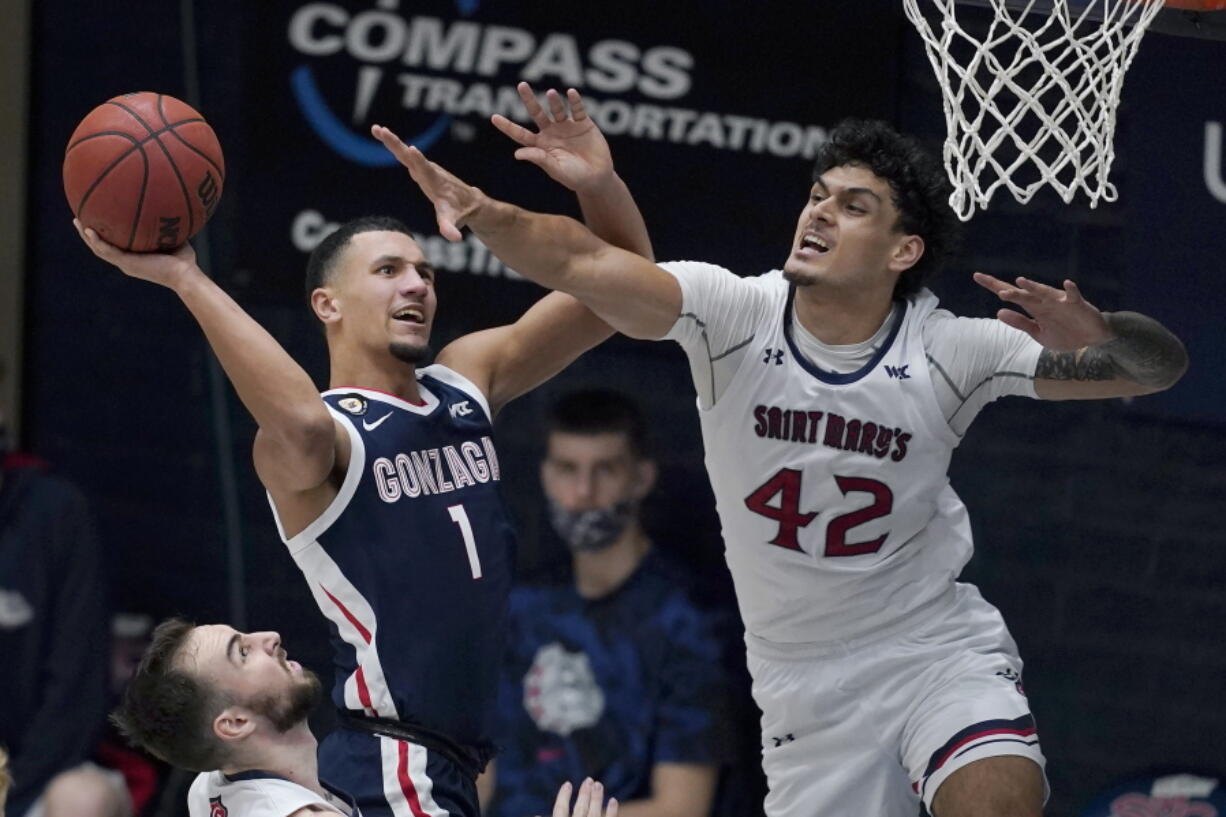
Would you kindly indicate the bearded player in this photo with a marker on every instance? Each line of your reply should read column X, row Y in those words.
column 233, row 707
column 385, row 488
column 832, row 393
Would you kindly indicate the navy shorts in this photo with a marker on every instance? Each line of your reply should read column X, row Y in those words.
column 394, row 778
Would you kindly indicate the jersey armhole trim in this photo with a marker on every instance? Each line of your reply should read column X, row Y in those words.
column 353, row 476
column 456, row 380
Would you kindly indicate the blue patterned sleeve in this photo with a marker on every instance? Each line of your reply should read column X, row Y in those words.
column 694, row 690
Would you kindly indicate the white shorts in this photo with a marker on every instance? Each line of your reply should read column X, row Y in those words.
column 876, row 725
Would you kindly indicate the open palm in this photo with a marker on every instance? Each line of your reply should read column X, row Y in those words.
column 1060, row 319
column 568, row 145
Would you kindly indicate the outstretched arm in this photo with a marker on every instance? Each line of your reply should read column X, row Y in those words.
column 296, row 445
column 572, row 150
column 1087, row 353
column 631, row 293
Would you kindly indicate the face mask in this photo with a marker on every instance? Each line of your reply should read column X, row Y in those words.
column 592, row 529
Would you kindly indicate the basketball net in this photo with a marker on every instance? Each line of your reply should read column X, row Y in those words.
column 1033, row 101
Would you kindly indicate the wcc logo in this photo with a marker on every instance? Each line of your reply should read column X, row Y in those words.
column 216, row 809
column 372, row 36
column 898, row 372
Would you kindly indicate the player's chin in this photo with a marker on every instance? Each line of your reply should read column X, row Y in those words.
column 411, row 351
column 798, row 274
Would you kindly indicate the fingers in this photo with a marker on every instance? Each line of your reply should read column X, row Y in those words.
column 446, row 225
column 1072, row 293
column 556, row 107
column 107, row 252
column 561, row 803
column 611, row 809
column 516, row 132
column 990, row 283
column 533, row 107
column 1035, row 288
column 537, row 156
column 393, row 143
column 1024, row 292
column 577, row 111
column 1018, row 321
column 583, row 799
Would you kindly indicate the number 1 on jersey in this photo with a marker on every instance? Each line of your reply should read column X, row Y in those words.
column 460, row 517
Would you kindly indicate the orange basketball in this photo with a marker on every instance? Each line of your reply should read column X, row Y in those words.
column 144, row 170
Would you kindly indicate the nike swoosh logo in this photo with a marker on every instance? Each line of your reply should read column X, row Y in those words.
column 376, row 423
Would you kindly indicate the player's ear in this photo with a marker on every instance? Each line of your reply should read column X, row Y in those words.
column 906, row 253
column 325, row 305
column 233, row 723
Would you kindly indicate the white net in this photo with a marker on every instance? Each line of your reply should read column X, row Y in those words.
column 1031, row 100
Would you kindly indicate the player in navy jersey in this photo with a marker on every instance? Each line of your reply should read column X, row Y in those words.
column 385, row 489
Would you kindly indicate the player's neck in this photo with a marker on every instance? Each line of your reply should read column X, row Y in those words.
column 599, row 572
column 384, row 373
column 838, row 318
column 291, row 755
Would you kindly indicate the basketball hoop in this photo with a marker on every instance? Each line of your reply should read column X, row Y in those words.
column 1032, row 101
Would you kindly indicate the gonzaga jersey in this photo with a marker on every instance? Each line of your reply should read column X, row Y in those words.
column 411, row 562
column 258, row 794
column 837, row 514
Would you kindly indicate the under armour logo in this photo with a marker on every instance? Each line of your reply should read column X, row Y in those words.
column 461, row 409
column 788, row 738
column 899, row 372
column 773, row 354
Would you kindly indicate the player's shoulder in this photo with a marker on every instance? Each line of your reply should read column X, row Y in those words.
column 250, row 794
column 437, row 374
column 705, row 269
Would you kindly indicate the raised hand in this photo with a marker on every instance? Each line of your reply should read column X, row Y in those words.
column 568, row 146
column 167, row 269
column 1060, row 319
column 453, row 200
column 587, row 802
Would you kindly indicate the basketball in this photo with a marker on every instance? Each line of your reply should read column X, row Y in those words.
column 144, row 170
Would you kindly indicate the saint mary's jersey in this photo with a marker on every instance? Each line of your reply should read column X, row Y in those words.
column 838, row 518
column 411, row 562
column 260, row 794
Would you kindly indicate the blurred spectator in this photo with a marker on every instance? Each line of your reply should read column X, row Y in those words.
column 53, row 638
column 617, row 674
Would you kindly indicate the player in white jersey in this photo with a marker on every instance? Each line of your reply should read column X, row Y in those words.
column 831, row 395
column 233, row 707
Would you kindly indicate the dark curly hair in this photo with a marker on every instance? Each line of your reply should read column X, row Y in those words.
column 170, row 711
column 322, row 261
column 919, row 184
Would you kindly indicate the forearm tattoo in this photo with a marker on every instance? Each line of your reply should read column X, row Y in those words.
column 1143, row 351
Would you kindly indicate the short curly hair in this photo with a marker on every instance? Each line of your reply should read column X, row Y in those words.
column 919, row 184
